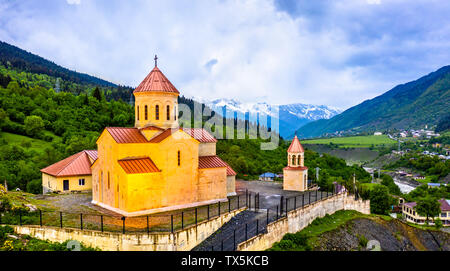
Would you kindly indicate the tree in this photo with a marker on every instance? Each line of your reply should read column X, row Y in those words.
column 379, row 200
column 33, row 125
column 97, row 94
column 428, row 207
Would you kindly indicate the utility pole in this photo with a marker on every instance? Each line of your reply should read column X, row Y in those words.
column 317, row 175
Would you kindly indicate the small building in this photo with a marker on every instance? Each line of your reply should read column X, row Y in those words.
column 419, row 177
column 71, row 174
column 377, row 133
column 410, row 214
column 433, row 185
column 268, row 176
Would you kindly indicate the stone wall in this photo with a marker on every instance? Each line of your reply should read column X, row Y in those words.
column 300, row 218
column 182, row 240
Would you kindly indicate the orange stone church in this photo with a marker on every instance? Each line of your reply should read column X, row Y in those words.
column 158, row 166
column 153, row 167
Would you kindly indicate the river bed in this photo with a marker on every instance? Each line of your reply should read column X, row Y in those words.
column 404, row 188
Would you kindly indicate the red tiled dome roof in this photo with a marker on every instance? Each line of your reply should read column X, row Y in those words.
column 156, row 81
column 295, row 146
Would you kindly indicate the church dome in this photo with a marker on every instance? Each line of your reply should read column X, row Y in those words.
column 156, row 81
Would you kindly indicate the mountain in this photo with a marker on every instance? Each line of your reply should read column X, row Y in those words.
column 12, row 56
column 424, row 101
column 291, row 116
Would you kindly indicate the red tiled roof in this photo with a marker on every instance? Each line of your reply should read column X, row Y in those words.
column 156, row 81
column 295, row 168
column 75, row 165
column 445, row 206
column 230, row 171
column 134, row 165
column 212, row 161
column 152, row 127
column 163, row 135
column 93, row 154
column 126, row 135
column 200, row 134
column 295, row 146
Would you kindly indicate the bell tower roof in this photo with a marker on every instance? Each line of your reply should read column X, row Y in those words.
column 156, row 81
column 295, row 146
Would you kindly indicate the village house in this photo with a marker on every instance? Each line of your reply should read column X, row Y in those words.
column 410, row 214
column 268, row 176
column 71, row 174
column 154, row 166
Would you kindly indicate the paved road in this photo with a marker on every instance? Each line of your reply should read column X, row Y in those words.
column 233, row 232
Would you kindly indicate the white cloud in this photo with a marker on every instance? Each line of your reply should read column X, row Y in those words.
column 373, row 2
column 258, row 53
column 73, row 2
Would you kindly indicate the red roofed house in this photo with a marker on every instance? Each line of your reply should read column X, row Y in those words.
column 71, row 174
column 295, row 175
column 410, row 214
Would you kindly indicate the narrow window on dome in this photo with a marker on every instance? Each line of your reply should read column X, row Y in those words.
column 157, row 112
column 175, row 113
column 179, row 158
column 137, row 113
column 298, row 160
column 293, row 160
column 168, row 112
column 146, row 112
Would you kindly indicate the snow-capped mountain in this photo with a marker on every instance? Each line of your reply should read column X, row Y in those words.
column 291, row 117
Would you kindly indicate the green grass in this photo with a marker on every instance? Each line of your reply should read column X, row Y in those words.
column 354, row 141
column 36, row 144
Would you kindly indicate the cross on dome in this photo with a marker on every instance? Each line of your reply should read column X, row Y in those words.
column 156, row 60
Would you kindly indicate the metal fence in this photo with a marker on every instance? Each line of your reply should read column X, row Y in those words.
column 162, row 222
column 228, row 239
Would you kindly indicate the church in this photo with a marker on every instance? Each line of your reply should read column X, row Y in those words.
column 157, row 166
column 295, row 174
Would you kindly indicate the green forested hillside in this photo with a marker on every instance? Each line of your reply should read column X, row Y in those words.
column 17, row 58
column 411, row 105
column 39, row 126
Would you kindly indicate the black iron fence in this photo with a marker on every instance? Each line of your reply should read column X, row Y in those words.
column 230, row 238
column 162, row 222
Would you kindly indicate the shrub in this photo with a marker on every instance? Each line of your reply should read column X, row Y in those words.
column 35, row 186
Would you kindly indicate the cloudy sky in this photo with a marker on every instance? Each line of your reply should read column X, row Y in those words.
column 336, row 53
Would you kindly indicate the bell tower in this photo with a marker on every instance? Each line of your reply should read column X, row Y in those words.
column 156, row 101
column 295, row 175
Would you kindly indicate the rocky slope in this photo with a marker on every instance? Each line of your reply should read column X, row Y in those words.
column 393, row 235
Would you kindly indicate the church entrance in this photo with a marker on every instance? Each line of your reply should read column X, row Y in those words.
column 66, row 185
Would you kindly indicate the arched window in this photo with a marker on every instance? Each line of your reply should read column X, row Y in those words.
column 175, row 113
column 168, row 112
column 157, row 112
column 138, row 112
column 179, row 158
column 146, row 112
column 298, row 160
column 293, row 160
